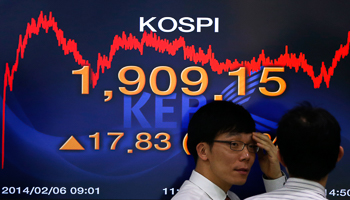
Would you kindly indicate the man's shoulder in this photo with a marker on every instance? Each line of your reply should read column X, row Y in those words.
column 264, row 196
column 189, row 191
column 283, row 194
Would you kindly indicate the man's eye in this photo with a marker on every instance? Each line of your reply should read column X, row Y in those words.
column 234, row 144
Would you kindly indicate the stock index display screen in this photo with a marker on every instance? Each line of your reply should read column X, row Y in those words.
column 97, row 95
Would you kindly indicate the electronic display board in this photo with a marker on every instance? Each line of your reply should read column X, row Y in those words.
column 97, row 95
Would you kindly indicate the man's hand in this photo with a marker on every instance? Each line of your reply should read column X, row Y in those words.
column 269, row 163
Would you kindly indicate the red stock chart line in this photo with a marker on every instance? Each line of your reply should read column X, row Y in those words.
column 130, row 42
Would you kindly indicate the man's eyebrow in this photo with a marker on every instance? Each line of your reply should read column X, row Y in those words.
column 236, row 137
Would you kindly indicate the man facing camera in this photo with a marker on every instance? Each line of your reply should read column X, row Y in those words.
column 309, row 147
column 223, row 145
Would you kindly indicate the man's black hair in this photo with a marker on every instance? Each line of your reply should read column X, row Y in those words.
column 309, row 140
column 216, row 118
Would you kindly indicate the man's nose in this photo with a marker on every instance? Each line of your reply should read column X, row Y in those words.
column 245, row 155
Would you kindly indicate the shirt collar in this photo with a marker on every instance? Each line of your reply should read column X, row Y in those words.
column 306, row 184
column 212, row 190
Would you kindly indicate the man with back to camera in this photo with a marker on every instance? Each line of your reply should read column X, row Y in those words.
column 223, row 145
column 309, row 147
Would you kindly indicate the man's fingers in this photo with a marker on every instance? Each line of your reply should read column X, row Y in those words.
column 262, row 139
column 261, row 153
column 268, row 135
column 268, row 148
column 264, row 143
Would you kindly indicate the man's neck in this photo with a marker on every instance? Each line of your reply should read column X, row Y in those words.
column 323, row 181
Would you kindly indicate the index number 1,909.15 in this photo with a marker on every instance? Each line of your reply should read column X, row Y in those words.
column 203, row 81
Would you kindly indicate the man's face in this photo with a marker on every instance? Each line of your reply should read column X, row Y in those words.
column 228, row 167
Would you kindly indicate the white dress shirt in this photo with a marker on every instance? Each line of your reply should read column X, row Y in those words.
column 295, row 188
column 200, row 188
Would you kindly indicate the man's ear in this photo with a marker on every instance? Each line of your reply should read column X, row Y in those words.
column 340, row 154
column 280, row 158
column 202, row 149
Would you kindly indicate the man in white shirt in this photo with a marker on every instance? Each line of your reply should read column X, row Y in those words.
column 309, row 147
column 223, row 143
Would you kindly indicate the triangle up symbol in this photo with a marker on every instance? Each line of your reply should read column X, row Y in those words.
column 72, row 144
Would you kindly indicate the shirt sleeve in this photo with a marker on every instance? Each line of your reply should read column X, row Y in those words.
column 274, row 184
